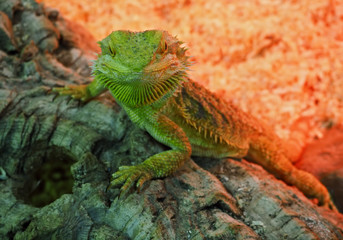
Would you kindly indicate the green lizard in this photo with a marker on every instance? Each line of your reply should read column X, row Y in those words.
column 146, row 72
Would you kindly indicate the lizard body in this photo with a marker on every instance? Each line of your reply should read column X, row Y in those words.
column 146, row 72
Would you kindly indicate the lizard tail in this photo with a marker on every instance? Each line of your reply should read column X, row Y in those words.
column 270, row 156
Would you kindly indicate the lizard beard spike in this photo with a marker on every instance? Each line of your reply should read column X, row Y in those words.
column 142, row 93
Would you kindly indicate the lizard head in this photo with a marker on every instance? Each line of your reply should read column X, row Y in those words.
column 140, row 68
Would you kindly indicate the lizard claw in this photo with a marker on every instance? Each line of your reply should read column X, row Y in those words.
column 128, row 175
column 326, row 201
column 76, row 92
column 330, row 205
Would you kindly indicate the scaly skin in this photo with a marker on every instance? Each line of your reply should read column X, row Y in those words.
column 146, row 72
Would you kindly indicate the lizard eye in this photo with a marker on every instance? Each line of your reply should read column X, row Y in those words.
column 112, row 51
column 165, row 46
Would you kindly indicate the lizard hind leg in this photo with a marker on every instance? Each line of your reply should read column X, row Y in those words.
column 269, row 156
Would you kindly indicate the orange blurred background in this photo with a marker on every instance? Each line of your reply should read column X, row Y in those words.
column 282, row 61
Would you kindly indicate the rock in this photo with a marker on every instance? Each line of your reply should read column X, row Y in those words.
column 76, row 53
column 7, row 42
column 9, row 7
column 41, row 31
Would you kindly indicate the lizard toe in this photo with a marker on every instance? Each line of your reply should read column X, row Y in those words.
column 128, row 175
column 142, row 180
column 332, row 206
column 76, row 92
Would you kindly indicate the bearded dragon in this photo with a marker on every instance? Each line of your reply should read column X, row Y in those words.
column 146, row 72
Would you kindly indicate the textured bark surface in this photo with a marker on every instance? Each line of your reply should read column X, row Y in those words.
column 57, row 155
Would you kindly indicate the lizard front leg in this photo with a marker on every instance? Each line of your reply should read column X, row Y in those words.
column 159, row 165
column 82, row 92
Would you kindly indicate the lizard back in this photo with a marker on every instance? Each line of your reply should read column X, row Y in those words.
column 210, row 122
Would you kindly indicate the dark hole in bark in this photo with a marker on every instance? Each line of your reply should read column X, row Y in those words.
column 49, row 177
